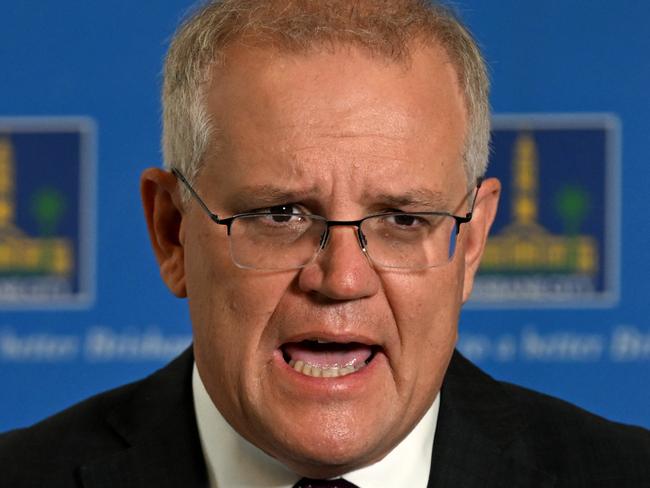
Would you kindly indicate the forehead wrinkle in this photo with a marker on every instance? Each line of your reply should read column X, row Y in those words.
column 386, row 125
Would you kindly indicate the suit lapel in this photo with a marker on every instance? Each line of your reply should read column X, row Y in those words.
column 478, row 440
column 158, row 428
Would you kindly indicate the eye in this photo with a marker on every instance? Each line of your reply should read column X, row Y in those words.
column 405, row 220
column 280, row 211
column 285, row 208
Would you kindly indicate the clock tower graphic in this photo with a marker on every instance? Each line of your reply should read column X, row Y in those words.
column 35, row 260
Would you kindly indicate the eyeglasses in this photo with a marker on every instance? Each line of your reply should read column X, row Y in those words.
column 288, row 240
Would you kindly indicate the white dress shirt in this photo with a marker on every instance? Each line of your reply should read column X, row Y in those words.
column 233, row 462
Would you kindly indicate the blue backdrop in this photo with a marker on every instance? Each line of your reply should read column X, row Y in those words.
column 102, row 60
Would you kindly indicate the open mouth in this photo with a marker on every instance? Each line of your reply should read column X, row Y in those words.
column 327, row 359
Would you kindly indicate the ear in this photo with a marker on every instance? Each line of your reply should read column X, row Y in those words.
column 478, row 229
column 164, row 214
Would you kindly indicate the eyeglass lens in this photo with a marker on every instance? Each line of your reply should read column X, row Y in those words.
column 289, row 241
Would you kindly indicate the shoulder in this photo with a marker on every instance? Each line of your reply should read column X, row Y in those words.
column 580, row 448
column 569, row 435
column 546, row 411
column 63, row 441
column 50, row 452
column 576, row 447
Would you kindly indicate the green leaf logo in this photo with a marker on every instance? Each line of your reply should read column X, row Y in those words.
column 48, row 207
column 572, row 205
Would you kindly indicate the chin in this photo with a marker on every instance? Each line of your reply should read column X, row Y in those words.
column 337, row 452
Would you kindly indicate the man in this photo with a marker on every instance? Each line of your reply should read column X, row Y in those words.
column 323, row 212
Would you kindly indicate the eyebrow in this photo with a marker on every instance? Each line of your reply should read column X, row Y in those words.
column 251, row 197
column 259, row 196
column 417, row 197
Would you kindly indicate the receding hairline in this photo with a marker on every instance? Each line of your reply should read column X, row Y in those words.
column 264, row 32
column 254, row 42
column 387, row 29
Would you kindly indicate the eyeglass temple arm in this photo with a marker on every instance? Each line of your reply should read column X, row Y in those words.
column 468, row 215
column 180, row 176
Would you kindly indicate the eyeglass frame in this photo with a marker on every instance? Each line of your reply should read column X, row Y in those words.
column 328, row 223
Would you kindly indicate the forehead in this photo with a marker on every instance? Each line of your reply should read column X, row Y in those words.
column 305, row 116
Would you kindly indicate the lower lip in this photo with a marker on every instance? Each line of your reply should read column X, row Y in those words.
column 350, row 383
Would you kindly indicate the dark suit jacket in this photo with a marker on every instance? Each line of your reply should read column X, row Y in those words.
column 489, row 434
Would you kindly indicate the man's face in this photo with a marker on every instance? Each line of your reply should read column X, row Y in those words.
column 343, row 135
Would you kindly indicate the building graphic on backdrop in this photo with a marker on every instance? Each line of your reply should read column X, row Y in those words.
column 554, row 242
column 43, row 238
column 525, row 246
column 20, row 254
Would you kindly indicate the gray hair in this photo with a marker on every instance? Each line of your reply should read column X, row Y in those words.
column 384, row 27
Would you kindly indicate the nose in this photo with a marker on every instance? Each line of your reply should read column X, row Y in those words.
column 342, row 271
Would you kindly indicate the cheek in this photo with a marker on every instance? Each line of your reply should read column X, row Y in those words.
column 426, row 307
column 231, row 310
column 220, row 293
column 230, row 307
column 422, row 299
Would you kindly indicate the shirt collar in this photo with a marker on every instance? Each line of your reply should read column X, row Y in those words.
column 232, row 461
